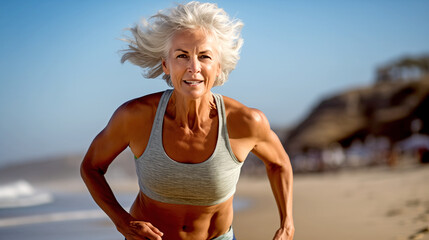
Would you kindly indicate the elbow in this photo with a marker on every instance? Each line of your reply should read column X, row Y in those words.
column 87, row 171
column 275, row 167
column 281, row 166
column 84, row 171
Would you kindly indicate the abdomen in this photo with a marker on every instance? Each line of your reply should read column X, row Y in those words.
column 182, row 222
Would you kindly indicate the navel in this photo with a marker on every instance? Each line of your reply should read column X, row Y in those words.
column 187, row 228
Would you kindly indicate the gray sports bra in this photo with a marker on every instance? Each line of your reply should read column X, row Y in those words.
column 207, row 183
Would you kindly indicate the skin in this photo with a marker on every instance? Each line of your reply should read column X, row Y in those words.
column 190, row 129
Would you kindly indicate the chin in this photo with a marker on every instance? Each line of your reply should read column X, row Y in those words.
column 197, row 94
column 194, row 93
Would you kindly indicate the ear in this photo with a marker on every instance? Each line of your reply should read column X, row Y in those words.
column 164, row 67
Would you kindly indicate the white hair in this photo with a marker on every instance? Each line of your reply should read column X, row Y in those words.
column 150, row 41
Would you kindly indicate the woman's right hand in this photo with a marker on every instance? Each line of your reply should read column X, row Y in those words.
column 140, row 230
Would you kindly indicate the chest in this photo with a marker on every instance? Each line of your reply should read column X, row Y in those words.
column 190, row 146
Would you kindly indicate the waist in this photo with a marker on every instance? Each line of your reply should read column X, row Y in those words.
column 179, row 221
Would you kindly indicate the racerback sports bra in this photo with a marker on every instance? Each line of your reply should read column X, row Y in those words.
column 207, row 183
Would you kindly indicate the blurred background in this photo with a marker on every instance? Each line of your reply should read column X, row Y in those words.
column 345, row 85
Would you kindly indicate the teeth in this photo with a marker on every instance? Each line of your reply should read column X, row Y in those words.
column 193, row 82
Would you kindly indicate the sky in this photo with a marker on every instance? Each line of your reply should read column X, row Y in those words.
column 61, row 77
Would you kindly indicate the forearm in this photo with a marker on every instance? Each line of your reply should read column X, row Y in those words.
column 103, row 195
column 281, row 180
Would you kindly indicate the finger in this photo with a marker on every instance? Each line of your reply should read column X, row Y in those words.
column 154, row 229
column 142, row 235
column 140, row 224
column 151, row 235
column 144, row 229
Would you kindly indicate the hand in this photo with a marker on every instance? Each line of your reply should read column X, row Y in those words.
column 285, row 233
column 140, row 230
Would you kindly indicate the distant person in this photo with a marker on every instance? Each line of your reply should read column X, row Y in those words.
column 189, row 143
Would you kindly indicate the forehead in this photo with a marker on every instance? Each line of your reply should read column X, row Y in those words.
column 193, row 39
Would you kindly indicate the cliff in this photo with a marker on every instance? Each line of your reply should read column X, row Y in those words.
column 385, row 109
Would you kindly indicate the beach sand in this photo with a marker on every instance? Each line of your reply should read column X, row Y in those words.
column 368, row 203
column 379, row 203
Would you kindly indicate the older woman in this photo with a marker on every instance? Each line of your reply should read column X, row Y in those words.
column 189, row 143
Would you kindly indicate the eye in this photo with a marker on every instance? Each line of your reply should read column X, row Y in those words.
column 181, row 56
column 205, row 57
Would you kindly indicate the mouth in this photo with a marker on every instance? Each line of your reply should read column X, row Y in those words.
column 193, row 82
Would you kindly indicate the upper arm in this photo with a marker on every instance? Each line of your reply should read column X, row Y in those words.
column 111, row 141
column 129, row 126
column 267, row 144
column 250, row 131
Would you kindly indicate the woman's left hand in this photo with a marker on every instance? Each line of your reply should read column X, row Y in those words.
column 285, row 233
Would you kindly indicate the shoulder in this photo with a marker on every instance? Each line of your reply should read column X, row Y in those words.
column 244, row 121
column 138, row 110
column 145, row 103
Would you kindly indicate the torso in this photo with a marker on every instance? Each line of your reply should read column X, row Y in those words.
column 179, row 221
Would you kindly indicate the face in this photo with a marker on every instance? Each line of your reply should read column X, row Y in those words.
column 192, row 63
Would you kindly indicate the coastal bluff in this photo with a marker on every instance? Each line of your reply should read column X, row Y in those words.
column 385, row 109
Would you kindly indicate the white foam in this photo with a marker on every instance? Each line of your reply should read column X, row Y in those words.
column 22, row 194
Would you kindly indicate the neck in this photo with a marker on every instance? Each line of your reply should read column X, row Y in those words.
column 191, row 113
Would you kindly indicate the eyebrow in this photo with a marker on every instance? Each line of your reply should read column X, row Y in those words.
column 202, row 52
column 181, row 50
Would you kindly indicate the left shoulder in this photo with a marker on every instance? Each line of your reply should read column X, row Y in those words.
column 244, row 121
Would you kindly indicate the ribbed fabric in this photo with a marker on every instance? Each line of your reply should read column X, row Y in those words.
column 207, row 183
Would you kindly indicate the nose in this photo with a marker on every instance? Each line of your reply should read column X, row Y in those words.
column 194, row 65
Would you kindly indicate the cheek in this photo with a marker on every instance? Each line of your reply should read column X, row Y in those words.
column 176, row 68
column 212, row 69
column 216, row 71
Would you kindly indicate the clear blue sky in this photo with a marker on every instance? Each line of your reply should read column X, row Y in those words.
column 61, row 79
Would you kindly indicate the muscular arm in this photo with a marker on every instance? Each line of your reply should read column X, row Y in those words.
column 102, row 151
column 270, row 150
column 111, row 141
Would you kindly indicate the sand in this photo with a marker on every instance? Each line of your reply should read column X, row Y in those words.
column 378, row 203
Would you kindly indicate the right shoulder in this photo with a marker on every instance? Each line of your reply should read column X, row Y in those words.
column 142, row 105
column 137, row 111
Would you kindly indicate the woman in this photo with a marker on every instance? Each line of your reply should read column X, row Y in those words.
column 189, row 143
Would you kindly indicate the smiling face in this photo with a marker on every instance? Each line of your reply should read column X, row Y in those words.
column 192, row 62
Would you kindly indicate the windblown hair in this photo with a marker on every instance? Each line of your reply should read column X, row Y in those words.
column 151, row 39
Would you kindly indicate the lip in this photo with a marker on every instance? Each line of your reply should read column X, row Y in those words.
column 193, row 82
